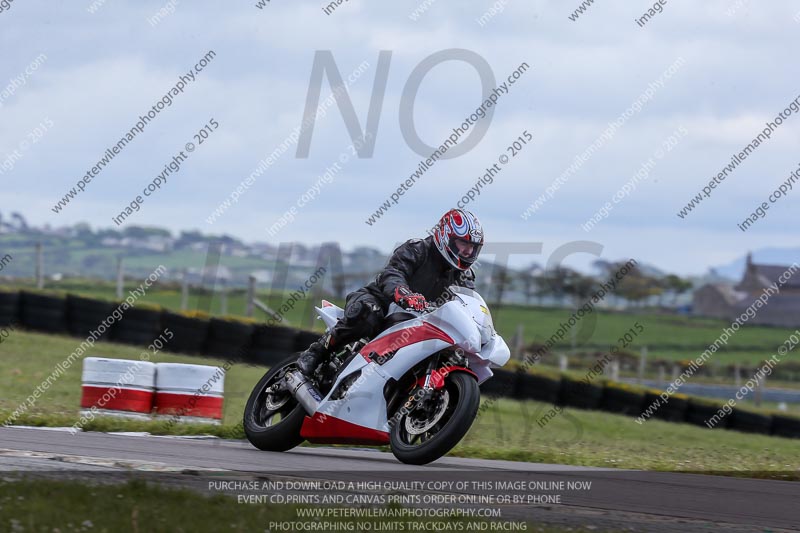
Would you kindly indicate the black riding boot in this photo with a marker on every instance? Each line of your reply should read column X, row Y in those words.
column 315, row 354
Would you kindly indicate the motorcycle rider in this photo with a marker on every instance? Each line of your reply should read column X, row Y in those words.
column 419, row 270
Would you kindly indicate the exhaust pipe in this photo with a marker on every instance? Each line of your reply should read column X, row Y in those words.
column 303, row 391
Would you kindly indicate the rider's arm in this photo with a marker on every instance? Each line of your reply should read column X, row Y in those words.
column 405, row 260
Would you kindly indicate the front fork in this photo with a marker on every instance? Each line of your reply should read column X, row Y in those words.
column 429, row 373
column 434, row 377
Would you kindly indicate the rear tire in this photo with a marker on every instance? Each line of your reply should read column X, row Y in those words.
column 260, row 426
column 463, row 401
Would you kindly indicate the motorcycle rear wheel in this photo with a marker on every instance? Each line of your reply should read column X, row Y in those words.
column 272, row 421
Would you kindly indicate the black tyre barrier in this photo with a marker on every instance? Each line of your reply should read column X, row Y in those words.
column 576, row 393
column 700, row 411
column 622, row 400
column 786, row 426
column 272, row 344
column 9, row 308
column 674, row 410
column 503, row 383
column 747, row 421
column 84, row 315
column 89, row 308
column 303, row 340
column 189, row 334
column 138, row 326
column 538, row 387
column 229, row 338
column 43, row 312
column 518, row 393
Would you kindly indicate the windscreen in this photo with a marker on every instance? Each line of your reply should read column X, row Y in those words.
column 456, row 289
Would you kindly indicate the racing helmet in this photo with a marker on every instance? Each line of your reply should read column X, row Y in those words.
column 459, row 238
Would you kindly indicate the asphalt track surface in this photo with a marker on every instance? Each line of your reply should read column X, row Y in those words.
column 617, row 499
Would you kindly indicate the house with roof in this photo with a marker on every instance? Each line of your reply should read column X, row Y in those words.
column 727, row 301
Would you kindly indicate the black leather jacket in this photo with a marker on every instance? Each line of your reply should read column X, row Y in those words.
column 418, row 265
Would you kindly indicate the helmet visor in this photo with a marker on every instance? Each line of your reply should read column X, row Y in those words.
column 466, row 250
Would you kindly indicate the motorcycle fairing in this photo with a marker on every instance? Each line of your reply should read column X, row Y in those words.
column 360, row 416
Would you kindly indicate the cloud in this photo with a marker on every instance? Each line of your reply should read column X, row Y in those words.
column 104, row 69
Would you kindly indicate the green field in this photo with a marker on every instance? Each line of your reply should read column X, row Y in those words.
column 671, row 337
column 507, row 430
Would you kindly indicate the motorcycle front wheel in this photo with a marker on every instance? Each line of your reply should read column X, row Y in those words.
column 429, row 431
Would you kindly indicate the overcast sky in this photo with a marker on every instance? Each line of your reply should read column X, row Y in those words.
column 103, row 69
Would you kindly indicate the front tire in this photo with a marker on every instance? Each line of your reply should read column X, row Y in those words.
column 422, row 436
column 272, row 421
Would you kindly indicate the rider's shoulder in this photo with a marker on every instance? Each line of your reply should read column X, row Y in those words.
column 412, row 249
column 416, row 244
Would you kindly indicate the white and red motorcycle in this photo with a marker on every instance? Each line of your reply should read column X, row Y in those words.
column 414, row 386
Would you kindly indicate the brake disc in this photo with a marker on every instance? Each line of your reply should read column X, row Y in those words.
column 415, row 426
column 276, row 396
column 272, row 404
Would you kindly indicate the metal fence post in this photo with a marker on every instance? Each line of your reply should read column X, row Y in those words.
column 185, row 290
column 120, row 277
column 642, row 363
column 759, row 393
column 39, row 266
column 251, row 294
column 224, row 298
